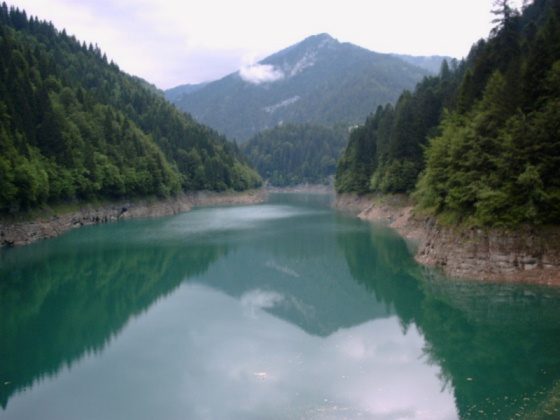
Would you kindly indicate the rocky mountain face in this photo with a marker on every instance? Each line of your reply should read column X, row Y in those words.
column 319, row 80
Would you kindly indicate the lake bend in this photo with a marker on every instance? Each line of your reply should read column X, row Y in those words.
column 286, row 309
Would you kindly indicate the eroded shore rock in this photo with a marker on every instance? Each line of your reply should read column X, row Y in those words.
column 13, row 233
column 527, row 254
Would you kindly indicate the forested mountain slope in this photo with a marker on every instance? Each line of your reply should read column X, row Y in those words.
column 480, row 143
column 432, row 63
column 386, row 153
column 74, row 127
column 292, row 154
column 172, row 94
column 318, row 81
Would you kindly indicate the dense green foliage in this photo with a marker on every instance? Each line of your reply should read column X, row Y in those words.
column 318, row 81
column 73, row 126
column 292, row 154
column 493, row 157
column 497, row 160
column 386, row 153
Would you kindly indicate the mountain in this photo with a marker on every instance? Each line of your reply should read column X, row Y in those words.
column 73, row 127
column 318, row 80
column 172, row 94
column 296, row 153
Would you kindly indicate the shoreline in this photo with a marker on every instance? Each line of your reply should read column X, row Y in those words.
column 50, row 225
column 302, row 189
column 526, row 255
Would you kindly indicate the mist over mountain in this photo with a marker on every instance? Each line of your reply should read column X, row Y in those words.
column 319, row 80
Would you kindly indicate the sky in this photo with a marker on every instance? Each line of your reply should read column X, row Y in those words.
column 174, row 42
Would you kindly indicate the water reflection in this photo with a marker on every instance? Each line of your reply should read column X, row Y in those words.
column 299, row 266
column 380, row 260
column 231, row 363
column 280, row 310
column 64, row 298
column 497, row 345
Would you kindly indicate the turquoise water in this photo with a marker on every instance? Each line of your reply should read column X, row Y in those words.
column 282, row 310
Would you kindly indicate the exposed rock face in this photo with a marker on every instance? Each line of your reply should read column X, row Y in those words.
column 50, row 226
column 352, row 202
column 527, row 254
column 394, row 211
column 524, row 255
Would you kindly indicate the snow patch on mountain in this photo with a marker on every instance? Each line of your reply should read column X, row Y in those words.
column 308, row 60
column 270, row 109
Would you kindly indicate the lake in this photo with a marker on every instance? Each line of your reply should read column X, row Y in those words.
column 282, row 310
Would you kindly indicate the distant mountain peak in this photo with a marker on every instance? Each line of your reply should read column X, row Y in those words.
column 320, row 37
column 311, row 43
column 318, row 80
column 320, row 40
column 288, row 62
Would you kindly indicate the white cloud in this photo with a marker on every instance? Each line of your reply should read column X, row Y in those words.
column 260, row 73
column 260, row 299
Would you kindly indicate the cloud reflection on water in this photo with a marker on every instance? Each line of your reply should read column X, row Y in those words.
column 240, row 362
column 371, row 370
column 256, row 300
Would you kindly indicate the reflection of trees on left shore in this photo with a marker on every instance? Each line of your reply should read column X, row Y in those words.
column 55, row 310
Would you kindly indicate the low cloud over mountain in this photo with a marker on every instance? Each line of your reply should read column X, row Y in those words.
column 260, row 73
column 319, row 80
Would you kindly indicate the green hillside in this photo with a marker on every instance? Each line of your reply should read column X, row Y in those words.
column 292, row 154
column 480, row 143
column 74, row 127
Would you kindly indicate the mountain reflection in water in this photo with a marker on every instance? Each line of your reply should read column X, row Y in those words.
column 281, row 310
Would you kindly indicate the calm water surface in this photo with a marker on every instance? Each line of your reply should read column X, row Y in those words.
column 282, row 310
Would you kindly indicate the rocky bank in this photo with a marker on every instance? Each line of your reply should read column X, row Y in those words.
column 48, row 225
column 527, row 254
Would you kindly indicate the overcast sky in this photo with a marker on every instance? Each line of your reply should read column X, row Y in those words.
column 174, row 42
